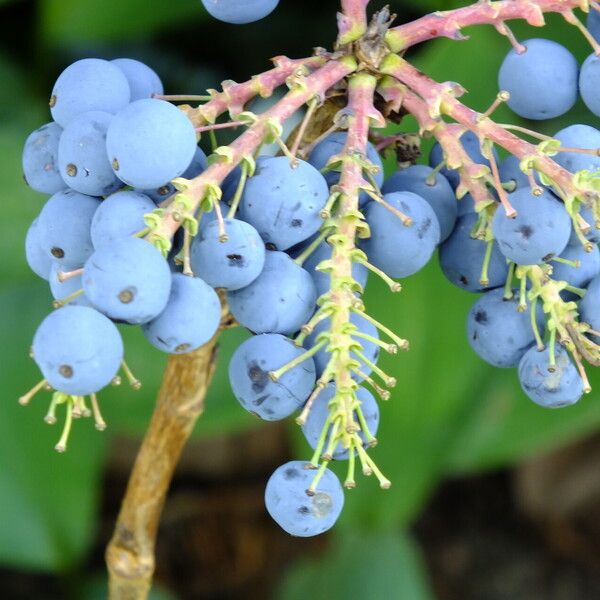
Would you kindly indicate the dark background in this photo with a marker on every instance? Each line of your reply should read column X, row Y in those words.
column 492, row 497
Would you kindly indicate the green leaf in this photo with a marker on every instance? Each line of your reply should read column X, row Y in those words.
column 48, row 501
column 369, row 567
column 72, row 21
column 503, row 425
column 20, row 204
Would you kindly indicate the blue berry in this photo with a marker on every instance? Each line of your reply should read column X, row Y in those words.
column 128, row 280
column 190, row 318
column 589, row 266
column 64, row 228
column 150, row 142
column 589, row 307
column 82, row 159
column 322, row 279
column 561, row 387
column 239, row 12
column 461, row 258
column 198, row 164
column 589, row 81
column 40, row 159
column 542, row 81
column 498, row 332
column 510, row 171
column 230, row 184
column 78, row 350
column 284, row 203
column 293, row 509
column 231, row 265
column 319, row 413
column 333, row 145
column 578, row 136
column 88, row 84
column 251, row 384
column 540, row 230
column 210, row 216
column 369, row 349
column 37, row 259
column 397, row 249
column 593, row 24
column 280, row 300
column 466, row 205
column 120, row 215
column 439, row 194
column 472, row 147
column 62, row 289
column 143, row 81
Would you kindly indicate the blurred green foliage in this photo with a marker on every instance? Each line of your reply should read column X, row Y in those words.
column 449, row 414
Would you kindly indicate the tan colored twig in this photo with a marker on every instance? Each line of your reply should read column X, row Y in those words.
column 130, row 553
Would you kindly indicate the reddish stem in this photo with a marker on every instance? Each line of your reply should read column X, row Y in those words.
column 448, row 136
column 245, row 145
column 436, row 94
column 352, row 20
column 449, row 23
column 236, row 95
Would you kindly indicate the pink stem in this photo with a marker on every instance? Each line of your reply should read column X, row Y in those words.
column 448, row 136
column 236, row 95
column 449, row 23
column 245, row 145
column 436, row 94
column 352, row 21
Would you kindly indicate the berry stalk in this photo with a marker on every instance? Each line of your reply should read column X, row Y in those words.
column 348, row 225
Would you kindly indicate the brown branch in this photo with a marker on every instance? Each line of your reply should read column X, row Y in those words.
column 130, row 553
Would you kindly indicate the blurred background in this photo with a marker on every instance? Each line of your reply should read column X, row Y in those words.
column 492, row 497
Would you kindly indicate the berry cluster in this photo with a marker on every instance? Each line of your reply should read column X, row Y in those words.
column 142, row 229
column 108, row 159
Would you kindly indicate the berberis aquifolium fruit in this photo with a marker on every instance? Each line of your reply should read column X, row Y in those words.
column 141, row 228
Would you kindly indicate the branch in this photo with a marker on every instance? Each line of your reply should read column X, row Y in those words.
column 341, row 299
column 440, row 99
column 449, row 23
column 352, row 21
column 448, row 135
column 245, row 145
column 236, row 95
column 130, row 554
